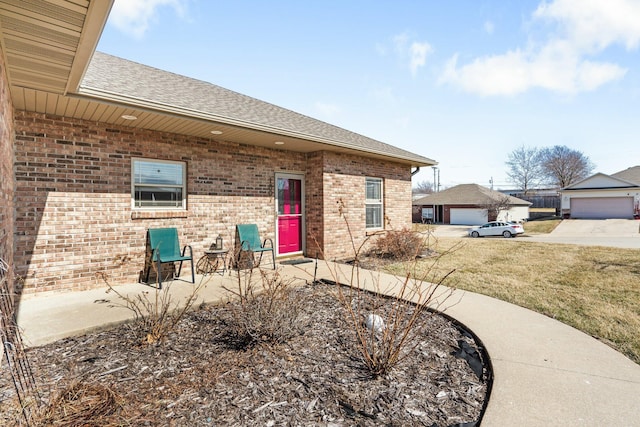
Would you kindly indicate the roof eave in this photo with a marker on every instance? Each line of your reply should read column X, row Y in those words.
column 162, row 108
column 94, row 24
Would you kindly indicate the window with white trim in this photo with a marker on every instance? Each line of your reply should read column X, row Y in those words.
column 158, row 184
column 373, row 203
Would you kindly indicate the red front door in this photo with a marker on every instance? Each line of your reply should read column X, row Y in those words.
column 289, row 199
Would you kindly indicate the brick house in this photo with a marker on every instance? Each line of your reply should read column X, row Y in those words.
column 95, row 149
column 469, row 204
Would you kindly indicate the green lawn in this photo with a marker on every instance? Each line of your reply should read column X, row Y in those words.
column 594, row 289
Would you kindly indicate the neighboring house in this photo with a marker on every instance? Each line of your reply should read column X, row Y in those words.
column 604, row 196
column 95, row 149
column 470, row 204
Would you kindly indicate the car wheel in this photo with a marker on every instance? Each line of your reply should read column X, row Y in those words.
column 506, row 234
column 475, row 234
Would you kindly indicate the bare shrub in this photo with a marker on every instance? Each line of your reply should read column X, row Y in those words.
column 401, row 245
column 388, row 328
column 82, row 404
column 13, row 353
column 268, row 307
column 387, row 322
column 156, row 315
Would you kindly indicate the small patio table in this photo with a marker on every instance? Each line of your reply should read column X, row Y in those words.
column 210, row 262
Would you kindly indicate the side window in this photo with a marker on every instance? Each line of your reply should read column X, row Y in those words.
column 373, row 202
column 158, row 184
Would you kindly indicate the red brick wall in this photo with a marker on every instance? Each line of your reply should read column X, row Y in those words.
column 73, row 198
column 6, row 172
column 344, row 183
column 74, row 215
column 313, row 205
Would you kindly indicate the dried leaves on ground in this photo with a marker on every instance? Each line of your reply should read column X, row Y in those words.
column 202, row 375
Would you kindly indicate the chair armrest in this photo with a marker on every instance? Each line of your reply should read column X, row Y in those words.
column 184, row 249
column 264, row 243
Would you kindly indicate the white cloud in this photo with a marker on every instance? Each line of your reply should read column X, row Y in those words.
column 497, row 75
column 412, row 51
column 418, row 52
column 595, row 24
column 135, row 16
column 565, row 61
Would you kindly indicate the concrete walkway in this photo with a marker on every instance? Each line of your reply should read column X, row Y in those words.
column 545, row 373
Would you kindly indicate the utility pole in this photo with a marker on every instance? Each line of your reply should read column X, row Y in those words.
column 438, row 180
column 435, row 185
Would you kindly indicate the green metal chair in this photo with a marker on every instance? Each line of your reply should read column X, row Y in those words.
column 165, row 248
column 248, row 240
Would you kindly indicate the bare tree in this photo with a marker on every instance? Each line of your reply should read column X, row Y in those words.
column 563, row 166
column 495, row 205
column 423, row 187
column 525, row 169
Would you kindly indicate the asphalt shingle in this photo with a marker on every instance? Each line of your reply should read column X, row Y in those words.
column 468, row 194
column 141, row 83
column 631, row 174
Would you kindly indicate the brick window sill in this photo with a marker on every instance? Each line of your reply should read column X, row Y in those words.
column 159, row 214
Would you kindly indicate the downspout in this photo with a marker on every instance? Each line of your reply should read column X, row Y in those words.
column 415, row 171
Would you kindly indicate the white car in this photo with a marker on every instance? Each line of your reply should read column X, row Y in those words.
column 497, row 228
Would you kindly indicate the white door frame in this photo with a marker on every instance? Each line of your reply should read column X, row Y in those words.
column 303, row 242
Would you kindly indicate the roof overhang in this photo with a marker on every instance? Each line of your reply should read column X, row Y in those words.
column 110, row 107
column 47, row 47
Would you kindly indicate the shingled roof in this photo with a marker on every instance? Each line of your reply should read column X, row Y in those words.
column 119, row 80
column 631, row 174
column 468, row 194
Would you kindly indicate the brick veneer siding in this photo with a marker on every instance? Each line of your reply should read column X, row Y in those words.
column 314, row 205
column 73, row 198
column 74, row 215
column 344, row 183
column 7, row 182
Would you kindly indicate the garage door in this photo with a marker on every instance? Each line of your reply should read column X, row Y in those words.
column 602, row 207
column 468, row 216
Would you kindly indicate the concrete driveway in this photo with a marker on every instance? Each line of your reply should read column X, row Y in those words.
column 598, row 227
column 619, row 233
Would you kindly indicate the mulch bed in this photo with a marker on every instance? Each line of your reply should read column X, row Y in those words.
column 203, row 375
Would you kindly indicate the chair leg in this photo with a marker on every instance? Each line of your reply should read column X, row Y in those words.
column 273, row 258
column 147, row 270
column 179, row 269
column 193, row 274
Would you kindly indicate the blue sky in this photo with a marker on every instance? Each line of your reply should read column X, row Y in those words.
column 462, row 82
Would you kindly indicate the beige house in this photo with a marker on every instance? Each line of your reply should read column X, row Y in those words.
column 95, row 150
column 604, row 196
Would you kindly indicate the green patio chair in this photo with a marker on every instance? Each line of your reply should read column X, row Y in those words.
column 165, row 248
column 248, row 241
